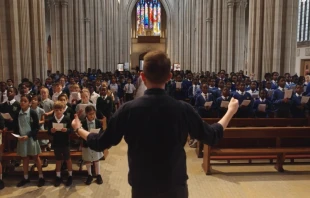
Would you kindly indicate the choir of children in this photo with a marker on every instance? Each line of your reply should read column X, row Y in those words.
column 96, row 95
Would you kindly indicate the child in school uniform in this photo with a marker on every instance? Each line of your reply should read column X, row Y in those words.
column 104, row 105
column 253, row 90
column 69, row 112
column 1, row 130
column 262, row 100
column 57, row 91
column 12, row 107
column 241, row 95
column 202, row 98
column 27, row 127
column 46, row 103
column 35, row 100
column 114, row 89
column 129, row 90
column 89, row 155
column 226, row 96
column 282, row 105
column 74, row 89
column 85, row 101
column 61, row 141
column 193, row 91
column 298, row 109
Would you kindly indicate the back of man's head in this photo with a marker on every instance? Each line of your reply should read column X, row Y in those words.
column 156, row 67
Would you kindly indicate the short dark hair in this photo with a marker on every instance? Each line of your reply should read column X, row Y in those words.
column 89, row 108
column 156, row 67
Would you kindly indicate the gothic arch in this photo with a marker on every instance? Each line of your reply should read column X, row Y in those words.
column 128, row 10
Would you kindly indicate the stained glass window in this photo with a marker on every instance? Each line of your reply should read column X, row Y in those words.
column 148, row 17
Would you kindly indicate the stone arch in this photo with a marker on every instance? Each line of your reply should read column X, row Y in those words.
column 128, row 23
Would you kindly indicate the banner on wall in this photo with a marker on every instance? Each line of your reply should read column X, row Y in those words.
column 177, row 67
column 120, row 67
column 126, row 66
column 141, row 64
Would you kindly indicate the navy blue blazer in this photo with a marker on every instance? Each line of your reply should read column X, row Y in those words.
column 200, row 101
column 269, row 108
column 295, row 111
column 277, row 101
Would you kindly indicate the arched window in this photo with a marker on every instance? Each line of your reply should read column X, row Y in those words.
column 148, row 16
column 303, row 29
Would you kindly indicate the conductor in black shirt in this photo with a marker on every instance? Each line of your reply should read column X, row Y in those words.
column 155, row 127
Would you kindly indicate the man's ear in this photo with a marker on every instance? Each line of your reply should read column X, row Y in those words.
column 143, row 76
column 169, row 77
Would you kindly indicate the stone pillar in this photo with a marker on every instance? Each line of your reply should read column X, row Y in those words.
column 230, row 43
column 204, row 37
column 268, row 35
column 214, row 36
column 87, row 34
column 81, row 25
column 64, row 25
column 278, row 47
column 224, row 35
column 42, row 64
column 71, row 36
column 209, row 21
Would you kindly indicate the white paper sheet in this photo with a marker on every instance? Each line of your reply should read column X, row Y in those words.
column 208, row 104
column 6, row 116
column 178, row 85
column 304, row 99
column 58, row 126
column 75, row 95
column 245, row 103
column 261, row 107
column 15, row 135
column 224, row 104
column 255, row 95
column 94, row 130
column 288, row 93
column 83, row 106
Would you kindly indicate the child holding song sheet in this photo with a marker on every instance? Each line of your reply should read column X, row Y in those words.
column 59, row 126
column 94, row 126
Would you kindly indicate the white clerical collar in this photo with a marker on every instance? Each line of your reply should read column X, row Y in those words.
column 59, row 120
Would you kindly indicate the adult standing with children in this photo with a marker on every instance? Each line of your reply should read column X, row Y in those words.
column 155, row 127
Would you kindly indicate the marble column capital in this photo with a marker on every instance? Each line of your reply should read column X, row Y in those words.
column 231, row 3
column 209, row 20
column 64, row 3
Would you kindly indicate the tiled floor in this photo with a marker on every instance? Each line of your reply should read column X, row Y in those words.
column 228, row 181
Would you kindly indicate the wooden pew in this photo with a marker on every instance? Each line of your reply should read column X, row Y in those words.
column 263, row 141
column 254, row 122
column 9, row 154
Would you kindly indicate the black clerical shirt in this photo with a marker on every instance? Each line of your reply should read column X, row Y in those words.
column 155, row 127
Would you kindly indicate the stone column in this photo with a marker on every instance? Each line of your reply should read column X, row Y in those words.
column 224, row 35
column 87, row 33
column 42, row 64
column 268, row 35
column 81, row 24
column 71, row 36
column 278, row 46
column 214, row 36
column 64, row 25
column 209, row 21
column 204, row 37
column 230, row 43
column 218, row 35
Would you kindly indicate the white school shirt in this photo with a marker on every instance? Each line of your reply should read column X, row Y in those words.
column 129, row 88
column 93, row 97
